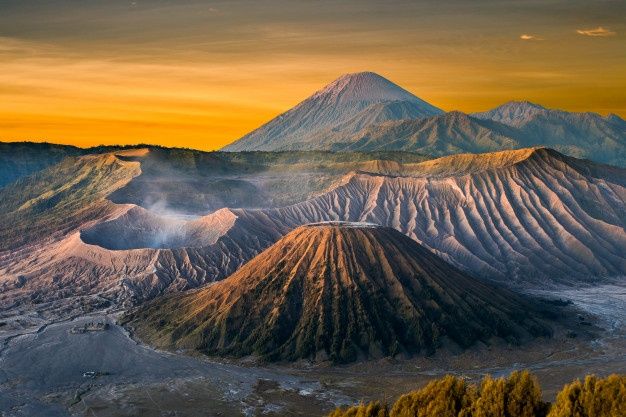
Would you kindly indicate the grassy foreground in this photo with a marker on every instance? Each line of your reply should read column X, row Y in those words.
column 519, row 395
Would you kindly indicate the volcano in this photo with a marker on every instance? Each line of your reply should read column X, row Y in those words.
column 340, row 292
column 348, row 104
column 366, row 112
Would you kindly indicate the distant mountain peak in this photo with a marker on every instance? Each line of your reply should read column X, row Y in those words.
column 512, row 112
column 522, row 104
column 614, row 118
column 518, row 107
column 365, row 86
column 455, row 115
column 343, row 106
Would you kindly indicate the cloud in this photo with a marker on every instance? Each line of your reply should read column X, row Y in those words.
column 597, row 32
column 527, row 37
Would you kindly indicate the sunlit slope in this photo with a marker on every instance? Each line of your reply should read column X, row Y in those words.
column 338, row 292
column 63, row 236
column 528, row 215
column 529, row 218
column 61, row 198
column 366, row 112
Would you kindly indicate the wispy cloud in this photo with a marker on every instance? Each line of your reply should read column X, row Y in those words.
column 597, row 32
column 527, row 37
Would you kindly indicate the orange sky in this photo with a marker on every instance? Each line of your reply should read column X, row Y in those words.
column 201, row 74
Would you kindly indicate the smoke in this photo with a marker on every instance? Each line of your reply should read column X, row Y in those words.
column 160, row 206
column 140, row 228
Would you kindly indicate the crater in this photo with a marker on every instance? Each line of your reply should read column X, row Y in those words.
column 344, row 224
column 139, row 228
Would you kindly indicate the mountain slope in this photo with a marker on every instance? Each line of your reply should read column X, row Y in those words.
column 75, row 229
column 20, row 159
column 583, row 135
column 440, row 135
column 518, row 216
column 346, row 105
column 512, row 113
column 511, row 126
column 338, row 291
column 530, row 218
column 366, row 112
column 61, row 198
column 189, row 182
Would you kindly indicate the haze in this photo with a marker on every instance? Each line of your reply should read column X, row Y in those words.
column 201, row 74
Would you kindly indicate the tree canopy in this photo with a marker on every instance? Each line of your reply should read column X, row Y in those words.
column 519, row 395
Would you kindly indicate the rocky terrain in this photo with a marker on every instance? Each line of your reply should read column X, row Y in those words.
column 445, row 134
column 583, row 135
column 522, row 217
column 530, row 219
column 339, row 292
column 90, row 235
column 183, row 182
column 62, row 236
column 51, row 370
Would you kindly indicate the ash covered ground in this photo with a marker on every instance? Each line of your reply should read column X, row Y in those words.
column 80, row 367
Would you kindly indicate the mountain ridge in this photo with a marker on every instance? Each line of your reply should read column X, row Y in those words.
column 390, row 118
column 525, row 218
column 511, row 111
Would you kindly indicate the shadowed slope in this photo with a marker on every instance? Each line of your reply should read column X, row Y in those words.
column 20, row 159
column 184, row 181
column 439, row 135
column 366, row 112
column 338, row 291
column 61, row 198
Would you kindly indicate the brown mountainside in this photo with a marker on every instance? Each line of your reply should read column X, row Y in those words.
column 340, row 291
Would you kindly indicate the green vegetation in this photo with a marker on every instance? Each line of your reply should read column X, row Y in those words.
column 60, row 198
column 47, row 189
column 202, row 163
column 519, row 395
column 20, row 159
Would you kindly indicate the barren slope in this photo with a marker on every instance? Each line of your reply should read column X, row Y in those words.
column 530, row 218
column 338, row 291
column 515, row 216
column 366, row 112
column 348, row 104
column 184, row 181
column 62, row 237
